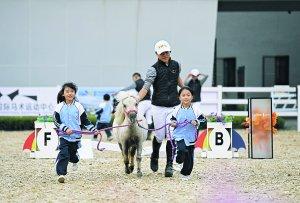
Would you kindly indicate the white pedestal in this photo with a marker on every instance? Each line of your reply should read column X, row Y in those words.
column 86, row 150
column 219, row 155
column 219, row 140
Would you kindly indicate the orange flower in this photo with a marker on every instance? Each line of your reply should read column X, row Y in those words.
column 262, row 122
column 274, row 118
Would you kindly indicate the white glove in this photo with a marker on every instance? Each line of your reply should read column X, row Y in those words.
column 173, row 123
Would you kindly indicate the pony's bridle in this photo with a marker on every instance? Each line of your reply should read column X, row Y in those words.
column 131, row 110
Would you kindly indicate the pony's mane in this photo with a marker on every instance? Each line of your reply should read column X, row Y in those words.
column 119, row 114
column 123, row 94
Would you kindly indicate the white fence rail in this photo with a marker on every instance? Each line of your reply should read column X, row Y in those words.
column 285, row 99
column 22, row 101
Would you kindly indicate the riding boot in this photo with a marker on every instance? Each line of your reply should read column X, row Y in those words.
column 155, row 155
column 170, row 150
column 150, row 126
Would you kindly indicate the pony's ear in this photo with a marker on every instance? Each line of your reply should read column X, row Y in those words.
column 132, row 93
column 123, row 94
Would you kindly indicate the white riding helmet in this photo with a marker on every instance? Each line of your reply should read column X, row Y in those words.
column 195, row 72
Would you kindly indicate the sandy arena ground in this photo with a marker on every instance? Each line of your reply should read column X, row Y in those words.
column 103, row 179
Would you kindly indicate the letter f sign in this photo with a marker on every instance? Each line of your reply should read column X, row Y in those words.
column 46, row 138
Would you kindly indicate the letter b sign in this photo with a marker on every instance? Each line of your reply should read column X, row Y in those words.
column 219, row 140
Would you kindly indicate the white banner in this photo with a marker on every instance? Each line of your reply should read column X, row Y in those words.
column 34, row 101
column 27, row 101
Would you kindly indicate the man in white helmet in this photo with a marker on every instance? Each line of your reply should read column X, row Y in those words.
column 195, row 80
column 164, row 76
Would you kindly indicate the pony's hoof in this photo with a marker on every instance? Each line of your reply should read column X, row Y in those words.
column 139, row 174
column 127, row 170
column 131, row 168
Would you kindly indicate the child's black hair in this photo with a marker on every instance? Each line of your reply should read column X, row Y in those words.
column 106, row 97
column 186, row 88
column 60, row 97
column 136, row 74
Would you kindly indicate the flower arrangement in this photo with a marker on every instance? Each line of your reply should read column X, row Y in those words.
column 213, row 117
column 262, row 122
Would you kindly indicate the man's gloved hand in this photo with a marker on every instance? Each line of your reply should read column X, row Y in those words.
column 173, row 123
column 97, row 132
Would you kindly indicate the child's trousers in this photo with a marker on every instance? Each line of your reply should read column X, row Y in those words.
column 67, row 153
column 188, row 163
column 185, row 155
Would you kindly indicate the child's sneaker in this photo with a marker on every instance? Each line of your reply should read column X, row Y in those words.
column 75, row 167
column 185, row 178
column 61, row 179
column 177, row 167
